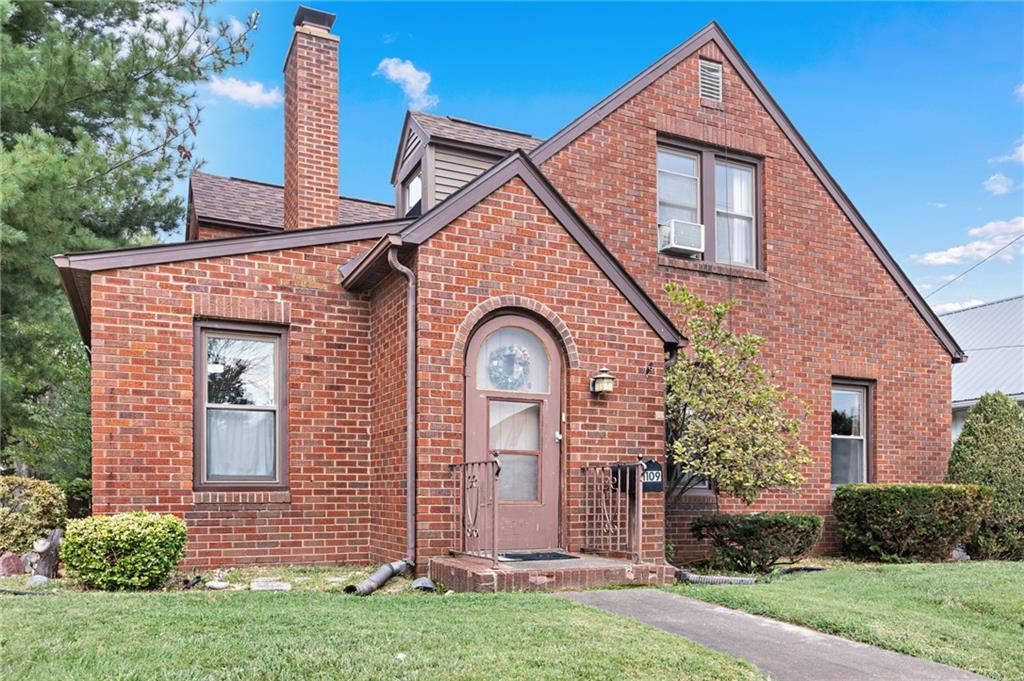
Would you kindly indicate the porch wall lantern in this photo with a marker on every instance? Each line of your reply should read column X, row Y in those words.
column 603, row 382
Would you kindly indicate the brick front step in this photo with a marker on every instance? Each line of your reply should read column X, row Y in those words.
column 472, row 574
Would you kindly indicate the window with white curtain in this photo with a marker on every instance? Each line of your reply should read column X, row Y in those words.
column 849, row 434
column 240, row 406
column 735, row 231
column 413, row 199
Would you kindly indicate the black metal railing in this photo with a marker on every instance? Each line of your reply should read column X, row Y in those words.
column 475, row 523
column 613, row 509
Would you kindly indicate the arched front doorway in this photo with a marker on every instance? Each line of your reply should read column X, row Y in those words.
column 514, row 408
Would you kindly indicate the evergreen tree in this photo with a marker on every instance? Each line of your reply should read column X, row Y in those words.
column 990, row 451
column 98, row 120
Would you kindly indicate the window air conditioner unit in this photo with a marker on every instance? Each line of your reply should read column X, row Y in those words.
column 680, row 236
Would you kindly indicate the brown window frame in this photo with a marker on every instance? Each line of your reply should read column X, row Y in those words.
column 707, row 157
column 867, row 387
column 279, row 334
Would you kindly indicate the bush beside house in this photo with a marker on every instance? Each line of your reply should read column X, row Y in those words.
column 756, row 542
column 990, row 451
column 901, row 522
column 135, row 550
column 29, row 509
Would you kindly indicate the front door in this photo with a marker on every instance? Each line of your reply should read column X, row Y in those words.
column 513, row 409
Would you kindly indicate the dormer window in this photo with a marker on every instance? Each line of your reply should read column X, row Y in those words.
column 412, row 195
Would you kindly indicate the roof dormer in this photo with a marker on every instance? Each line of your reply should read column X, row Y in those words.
column 437, row 155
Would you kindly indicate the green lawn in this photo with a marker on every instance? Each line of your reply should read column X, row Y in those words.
column 969, row 615
column 314, row 634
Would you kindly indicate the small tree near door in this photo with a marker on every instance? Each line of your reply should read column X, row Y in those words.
column 724, row 416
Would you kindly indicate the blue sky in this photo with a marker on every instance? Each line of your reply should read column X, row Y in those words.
column 916, row 109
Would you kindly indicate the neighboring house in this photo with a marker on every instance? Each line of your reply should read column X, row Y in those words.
column 260, row 385
column 993, row 335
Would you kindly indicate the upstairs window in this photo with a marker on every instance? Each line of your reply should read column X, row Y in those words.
column 239, row 405
column 710, row 80
column 735, row 236
column 412, row 197
column 708, row 205
column 849, row 433
column 678, row 186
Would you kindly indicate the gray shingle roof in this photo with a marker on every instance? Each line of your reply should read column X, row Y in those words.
column 461, row 130
column 232, row 199
column 992, row 335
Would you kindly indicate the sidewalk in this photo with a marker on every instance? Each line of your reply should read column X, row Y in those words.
column 783, row 651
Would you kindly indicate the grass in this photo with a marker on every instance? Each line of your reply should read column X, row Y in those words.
column 968, row 615
column 311, row 633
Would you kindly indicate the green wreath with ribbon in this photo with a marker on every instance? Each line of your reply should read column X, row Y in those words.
column 508, row 367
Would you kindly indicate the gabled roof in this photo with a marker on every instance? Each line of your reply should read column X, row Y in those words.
column 76, row 268
column 483, row 138
column 470, row 132
column 234, row 202
column 363, row 273
column 714, row 33
column 993, row 335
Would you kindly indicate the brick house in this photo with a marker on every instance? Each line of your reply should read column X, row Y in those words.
column 258, row 379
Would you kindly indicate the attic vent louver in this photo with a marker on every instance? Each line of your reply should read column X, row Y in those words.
column 710, row 80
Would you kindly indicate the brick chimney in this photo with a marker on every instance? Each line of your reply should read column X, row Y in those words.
column 311, row 122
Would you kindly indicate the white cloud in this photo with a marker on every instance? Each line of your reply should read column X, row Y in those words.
column 414, row 83
column 998, row 184
column 251, row 93
column 1019, row 92
column 236, row 27
column 1016, row 155
column 994, row 235
column 943, row 308
column 936, row 204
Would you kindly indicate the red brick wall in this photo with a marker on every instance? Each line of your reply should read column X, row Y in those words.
column 387, row 405
column 142, row 403
column 509, row 246
column 825, row 303
column 311, row 130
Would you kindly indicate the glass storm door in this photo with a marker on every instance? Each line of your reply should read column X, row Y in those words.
column 513, row 409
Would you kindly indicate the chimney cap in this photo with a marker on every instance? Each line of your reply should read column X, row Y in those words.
column 316, row 17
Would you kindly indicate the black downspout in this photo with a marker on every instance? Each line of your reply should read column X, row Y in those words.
column 410, row 403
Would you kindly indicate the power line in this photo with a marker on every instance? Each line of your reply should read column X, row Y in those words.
column 977, row 264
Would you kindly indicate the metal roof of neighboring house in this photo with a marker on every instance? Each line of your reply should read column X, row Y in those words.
column 461, row 130
column 992, row 335
column 231, row 200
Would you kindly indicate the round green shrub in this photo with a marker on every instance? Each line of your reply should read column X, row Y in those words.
column 756, row 542
column 906, row 522
column 990, row 451
column 128, row 551
column 29, row 509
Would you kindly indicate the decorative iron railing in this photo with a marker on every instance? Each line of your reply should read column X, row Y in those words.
column 475, row 522
column 613, row 509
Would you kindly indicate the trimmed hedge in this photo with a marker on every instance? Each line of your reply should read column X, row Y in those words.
column 756, row 542
column 136, row 550
column 29, row 509
column 906, row 522
column 990, row 451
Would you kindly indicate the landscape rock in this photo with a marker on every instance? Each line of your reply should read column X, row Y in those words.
column 10, row 564
column 37, row 580
column 49, row 553
column 217, row 585
column 959, row 555
column 267, row 585
column 29, row 560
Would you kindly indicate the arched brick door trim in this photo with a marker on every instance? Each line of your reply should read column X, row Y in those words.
column 522, row 304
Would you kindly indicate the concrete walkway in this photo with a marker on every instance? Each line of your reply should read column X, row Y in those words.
column 783, row 651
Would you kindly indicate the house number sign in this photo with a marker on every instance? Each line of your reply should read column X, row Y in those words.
column 652, row 477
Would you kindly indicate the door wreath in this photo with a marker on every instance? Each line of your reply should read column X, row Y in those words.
column 508, row 367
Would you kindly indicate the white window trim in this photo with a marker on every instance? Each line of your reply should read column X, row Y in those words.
column 863, row 437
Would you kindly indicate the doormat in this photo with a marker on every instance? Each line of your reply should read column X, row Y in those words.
column 536, row 555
